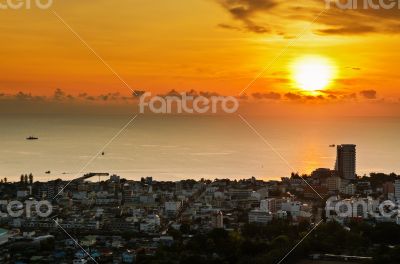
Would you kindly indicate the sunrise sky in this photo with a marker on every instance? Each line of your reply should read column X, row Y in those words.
column 206, row 45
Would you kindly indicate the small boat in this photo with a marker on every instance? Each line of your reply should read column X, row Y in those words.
column 102, row 153
column 32, row 138
column 48, row 172
column 332, row 146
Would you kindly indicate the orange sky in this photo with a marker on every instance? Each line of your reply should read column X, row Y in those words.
column 206, row 45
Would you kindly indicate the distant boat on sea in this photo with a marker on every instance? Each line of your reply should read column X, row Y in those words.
column 332, row 146
column 32, row 138
column 48, row 172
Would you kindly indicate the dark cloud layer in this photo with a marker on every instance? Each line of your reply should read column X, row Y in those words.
column 270, row 95
column 245, row 10
column 293, row 96
column 369, row 94
column 335, row 19
column 60, row 97
column 348, row 30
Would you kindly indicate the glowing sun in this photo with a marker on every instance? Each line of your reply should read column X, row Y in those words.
column 312, row 73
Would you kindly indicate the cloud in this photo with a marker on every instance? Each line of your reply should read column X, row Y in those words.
column 193, row 93
column 338, row 95
column 242, row 97
column 270, row 95
column 209, row 94
column 341, row 21
column 334, row 21
column 348, row 30
column 226, row 26
column 245, row 10
column 354, row 68
column 173, row 93
column 369, row 94
column 21, row 96
column 350, row 96
column 293, row 96
column 138, row 93
column 60, row 95
column 310, row 97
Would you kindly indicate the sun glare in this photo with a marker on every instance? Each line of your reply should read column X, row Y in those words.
column 312, row 73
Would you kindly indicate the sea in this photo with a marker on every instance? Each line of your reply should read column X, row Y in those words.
column 173, row 147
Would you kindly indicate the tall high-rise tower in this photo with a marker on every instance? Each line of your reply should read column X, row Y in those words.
column 346, row 161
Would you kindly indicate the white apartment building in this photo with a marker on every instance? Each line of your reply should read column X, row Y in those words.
column 268, row 205
column 293, row 207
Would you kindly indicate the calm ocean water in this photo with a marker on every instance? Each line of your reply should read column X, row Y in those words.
column 178, row 147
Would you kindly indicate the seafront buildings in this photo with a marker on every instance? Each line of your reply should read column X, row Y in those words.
column 118, row 220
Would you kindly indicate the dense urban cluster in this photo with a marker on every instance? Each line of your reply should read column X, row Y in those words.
column 101, row 218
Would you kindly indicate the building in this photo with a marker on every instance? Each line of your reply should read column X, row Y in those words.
column 349, row 189
column 293, row 207
column 268, row 205
column 397, row 189
column 388, row 188
column 333, row 183
column 172, row 208
column 315, row 191
column 127, row 193
column 240, row 194
column 217, row 220
column 322, row 174
column 346, row 161
column 259, row 217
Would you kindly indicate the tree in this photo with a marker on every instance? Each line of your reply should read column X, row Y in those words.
column 30, row 178
column 5, row 180
column 22, row 178
column 26, row 178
